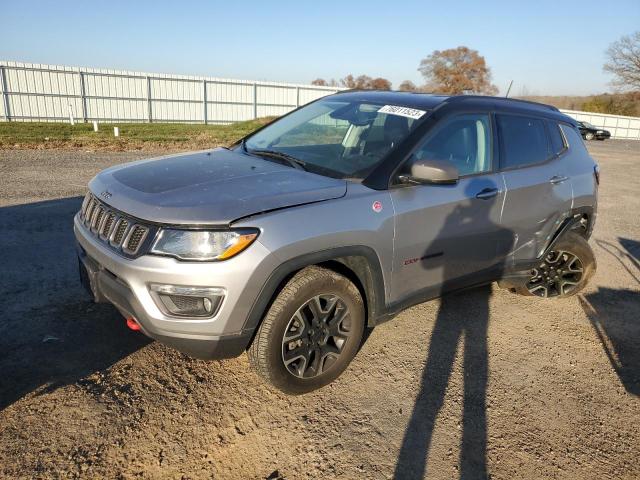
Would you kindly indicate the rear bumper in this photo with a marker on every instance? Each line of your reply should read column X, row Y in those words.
column 125, row 283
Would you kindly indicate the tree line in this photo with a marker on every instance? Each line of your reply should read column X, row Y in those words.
column 463, row 70
column 453, row 72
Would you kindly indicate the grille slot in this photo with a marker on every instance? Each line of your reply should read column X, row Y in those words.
column 97, row 219
column 109, row 221
column 85, row 203
column 89, row 212
column 136, row 236
column 119, row 231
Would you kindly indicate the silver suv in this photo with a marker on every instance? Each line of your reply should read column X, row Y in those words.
column 334, row 218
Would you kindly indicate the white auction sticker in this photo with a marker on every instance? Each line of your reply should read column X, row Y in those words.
column 402, row 111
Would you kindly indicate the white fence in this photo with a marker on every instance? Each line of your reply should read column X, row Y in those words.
column 35, row 92
column 619, row 125
column 51, row 93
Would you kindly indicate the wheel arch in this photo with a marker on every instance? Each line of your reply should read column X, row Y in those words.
column 360, row 264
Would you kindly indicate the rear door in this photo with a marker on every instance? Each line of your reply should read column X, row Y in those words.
column 538, row 188
column 448, row 234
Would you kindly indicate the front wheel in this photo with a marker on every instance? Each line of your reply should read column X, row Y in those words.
column 564, row 271
column 311, row 332
column 589, row 136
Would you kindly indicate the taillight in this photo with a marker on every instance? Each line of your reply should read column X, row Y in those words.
column 596, row 174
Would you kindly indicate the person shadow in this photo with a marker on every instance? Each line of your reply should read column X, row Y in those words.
column 462, row 315
column 614, row 314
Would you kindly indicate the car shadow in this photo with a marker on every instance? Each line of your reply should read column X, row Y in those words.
column 615, row 316
column 51, row 333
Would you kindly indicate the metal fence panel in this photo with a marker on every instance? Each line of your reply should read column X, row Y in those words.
column 35, row 92
column 620, row 126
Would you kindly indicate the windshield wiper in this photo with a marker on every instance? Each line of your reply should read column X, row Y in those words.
column 291, row 160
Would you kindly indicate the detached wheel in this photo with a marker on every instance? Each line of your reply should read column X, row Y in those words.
column 588, row 136
column 311, row 332
column 564, row 271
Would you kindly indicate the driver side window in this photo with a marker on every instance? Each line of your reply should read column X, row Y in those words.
column 464, row 140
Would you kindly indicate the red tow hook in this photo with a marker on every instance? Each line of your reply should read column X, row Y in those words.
column 133, row 324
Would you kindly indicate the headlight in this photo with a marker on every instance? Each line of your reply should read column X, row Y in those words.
column 202, row 245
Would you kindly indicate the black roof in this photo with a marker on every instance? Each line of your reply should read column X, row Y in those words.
column 426, row 101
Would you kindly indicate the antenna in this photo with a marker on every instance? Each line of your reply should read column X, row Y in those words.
column 509, row 89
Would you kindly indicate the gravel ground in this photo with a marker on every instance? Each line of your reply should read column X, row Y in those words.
column 482, row 384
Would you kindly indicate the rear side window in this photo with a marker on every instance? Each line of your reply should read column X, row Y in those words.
column 557, row 142
column 523, row 139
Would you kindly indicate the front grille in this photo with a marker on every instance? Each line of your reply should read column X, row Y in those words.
column 125, row 234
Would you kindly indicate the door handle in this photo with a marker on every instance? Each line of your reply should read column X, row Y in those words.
column 487, row 193
column 558, row 179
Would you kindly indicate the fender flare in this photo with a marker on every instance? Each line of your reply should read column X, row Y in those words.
column 361, row 261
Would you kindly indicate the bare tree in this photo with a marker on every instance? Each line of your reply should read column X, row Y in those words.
column 408, row 86
column 320, row 82
column 456, row 71
column 623, row 61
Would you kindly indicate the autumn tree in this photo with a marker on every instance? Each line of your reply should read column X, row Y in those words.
column 623, row 61
column 408, row 86
column 380, row 83
column 456, row 71
column 365, row 82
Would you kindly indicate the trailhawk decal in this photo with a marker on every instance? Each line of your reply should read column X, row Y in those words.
column 402, row 111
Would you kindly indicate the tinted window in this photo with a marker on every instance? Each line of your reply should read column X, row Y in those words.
column 463, row 140
column 524, row 140
column 557, row 142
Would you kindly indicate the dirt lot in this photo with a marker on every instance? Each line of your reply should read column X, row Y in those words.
column 484, row 384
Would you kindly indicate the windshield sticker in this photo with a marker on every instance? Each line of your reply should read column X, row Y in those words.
column 402, row 111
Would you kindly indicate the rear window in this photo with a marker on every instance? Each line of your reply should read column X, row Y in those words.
column 557, row 142
column 523, row 139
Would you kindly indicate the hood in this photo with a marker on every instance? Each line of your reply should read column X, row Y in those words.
column 209, row 188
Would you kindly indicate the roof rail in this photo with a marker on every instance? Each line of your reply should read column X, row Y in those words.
column 503, row 99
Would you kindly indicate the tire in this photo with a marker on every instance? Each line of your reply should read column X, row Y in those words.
column 302, row 363
column 540, row 284
column 588, row 136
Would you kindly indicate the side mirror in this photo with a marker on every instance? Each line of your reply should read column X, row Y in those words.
column 431, row 172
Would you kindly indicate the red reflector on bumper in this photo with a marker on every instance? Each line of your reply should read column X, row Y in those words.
column 132, row 324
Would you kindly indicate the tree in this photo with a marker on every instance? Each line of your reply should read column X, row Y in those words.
column 321, row 82
column 408, row 86
column 380, row 83
column 365, row 82
column 623, row 61
column 456, row 71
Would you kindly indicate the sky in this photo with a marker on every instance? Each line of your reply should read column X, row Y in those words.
column 546, row 47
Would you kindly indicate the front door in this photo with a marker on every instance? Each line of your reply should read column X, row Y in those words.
column 450, row 235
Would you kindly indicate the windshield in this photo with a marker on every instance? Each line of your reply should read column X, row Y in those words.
column 342, row 139
column 587, row 124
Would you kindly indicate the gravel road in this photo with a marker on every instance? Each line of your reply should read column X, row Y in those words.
column 482, row 384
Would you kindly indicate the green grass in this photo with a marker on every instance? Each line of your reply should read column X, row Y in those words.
column 133, row 136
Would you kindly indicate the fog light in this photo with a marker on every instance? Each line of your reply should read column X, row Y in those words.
column 182, row 301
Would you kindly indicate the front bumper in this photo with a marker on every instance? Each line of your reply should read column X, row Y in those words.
column 125, row 283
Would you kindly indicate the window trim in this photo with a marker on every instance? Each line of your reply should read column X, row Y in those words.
column 550, row 158
column 393, row 179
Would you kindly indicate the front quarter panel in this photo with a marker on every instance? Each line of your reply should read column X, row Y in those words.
column 364, row 217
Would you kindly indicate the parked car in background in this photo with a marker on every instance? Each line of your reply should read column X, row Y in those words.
column 333, row 219
column 589, row 132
